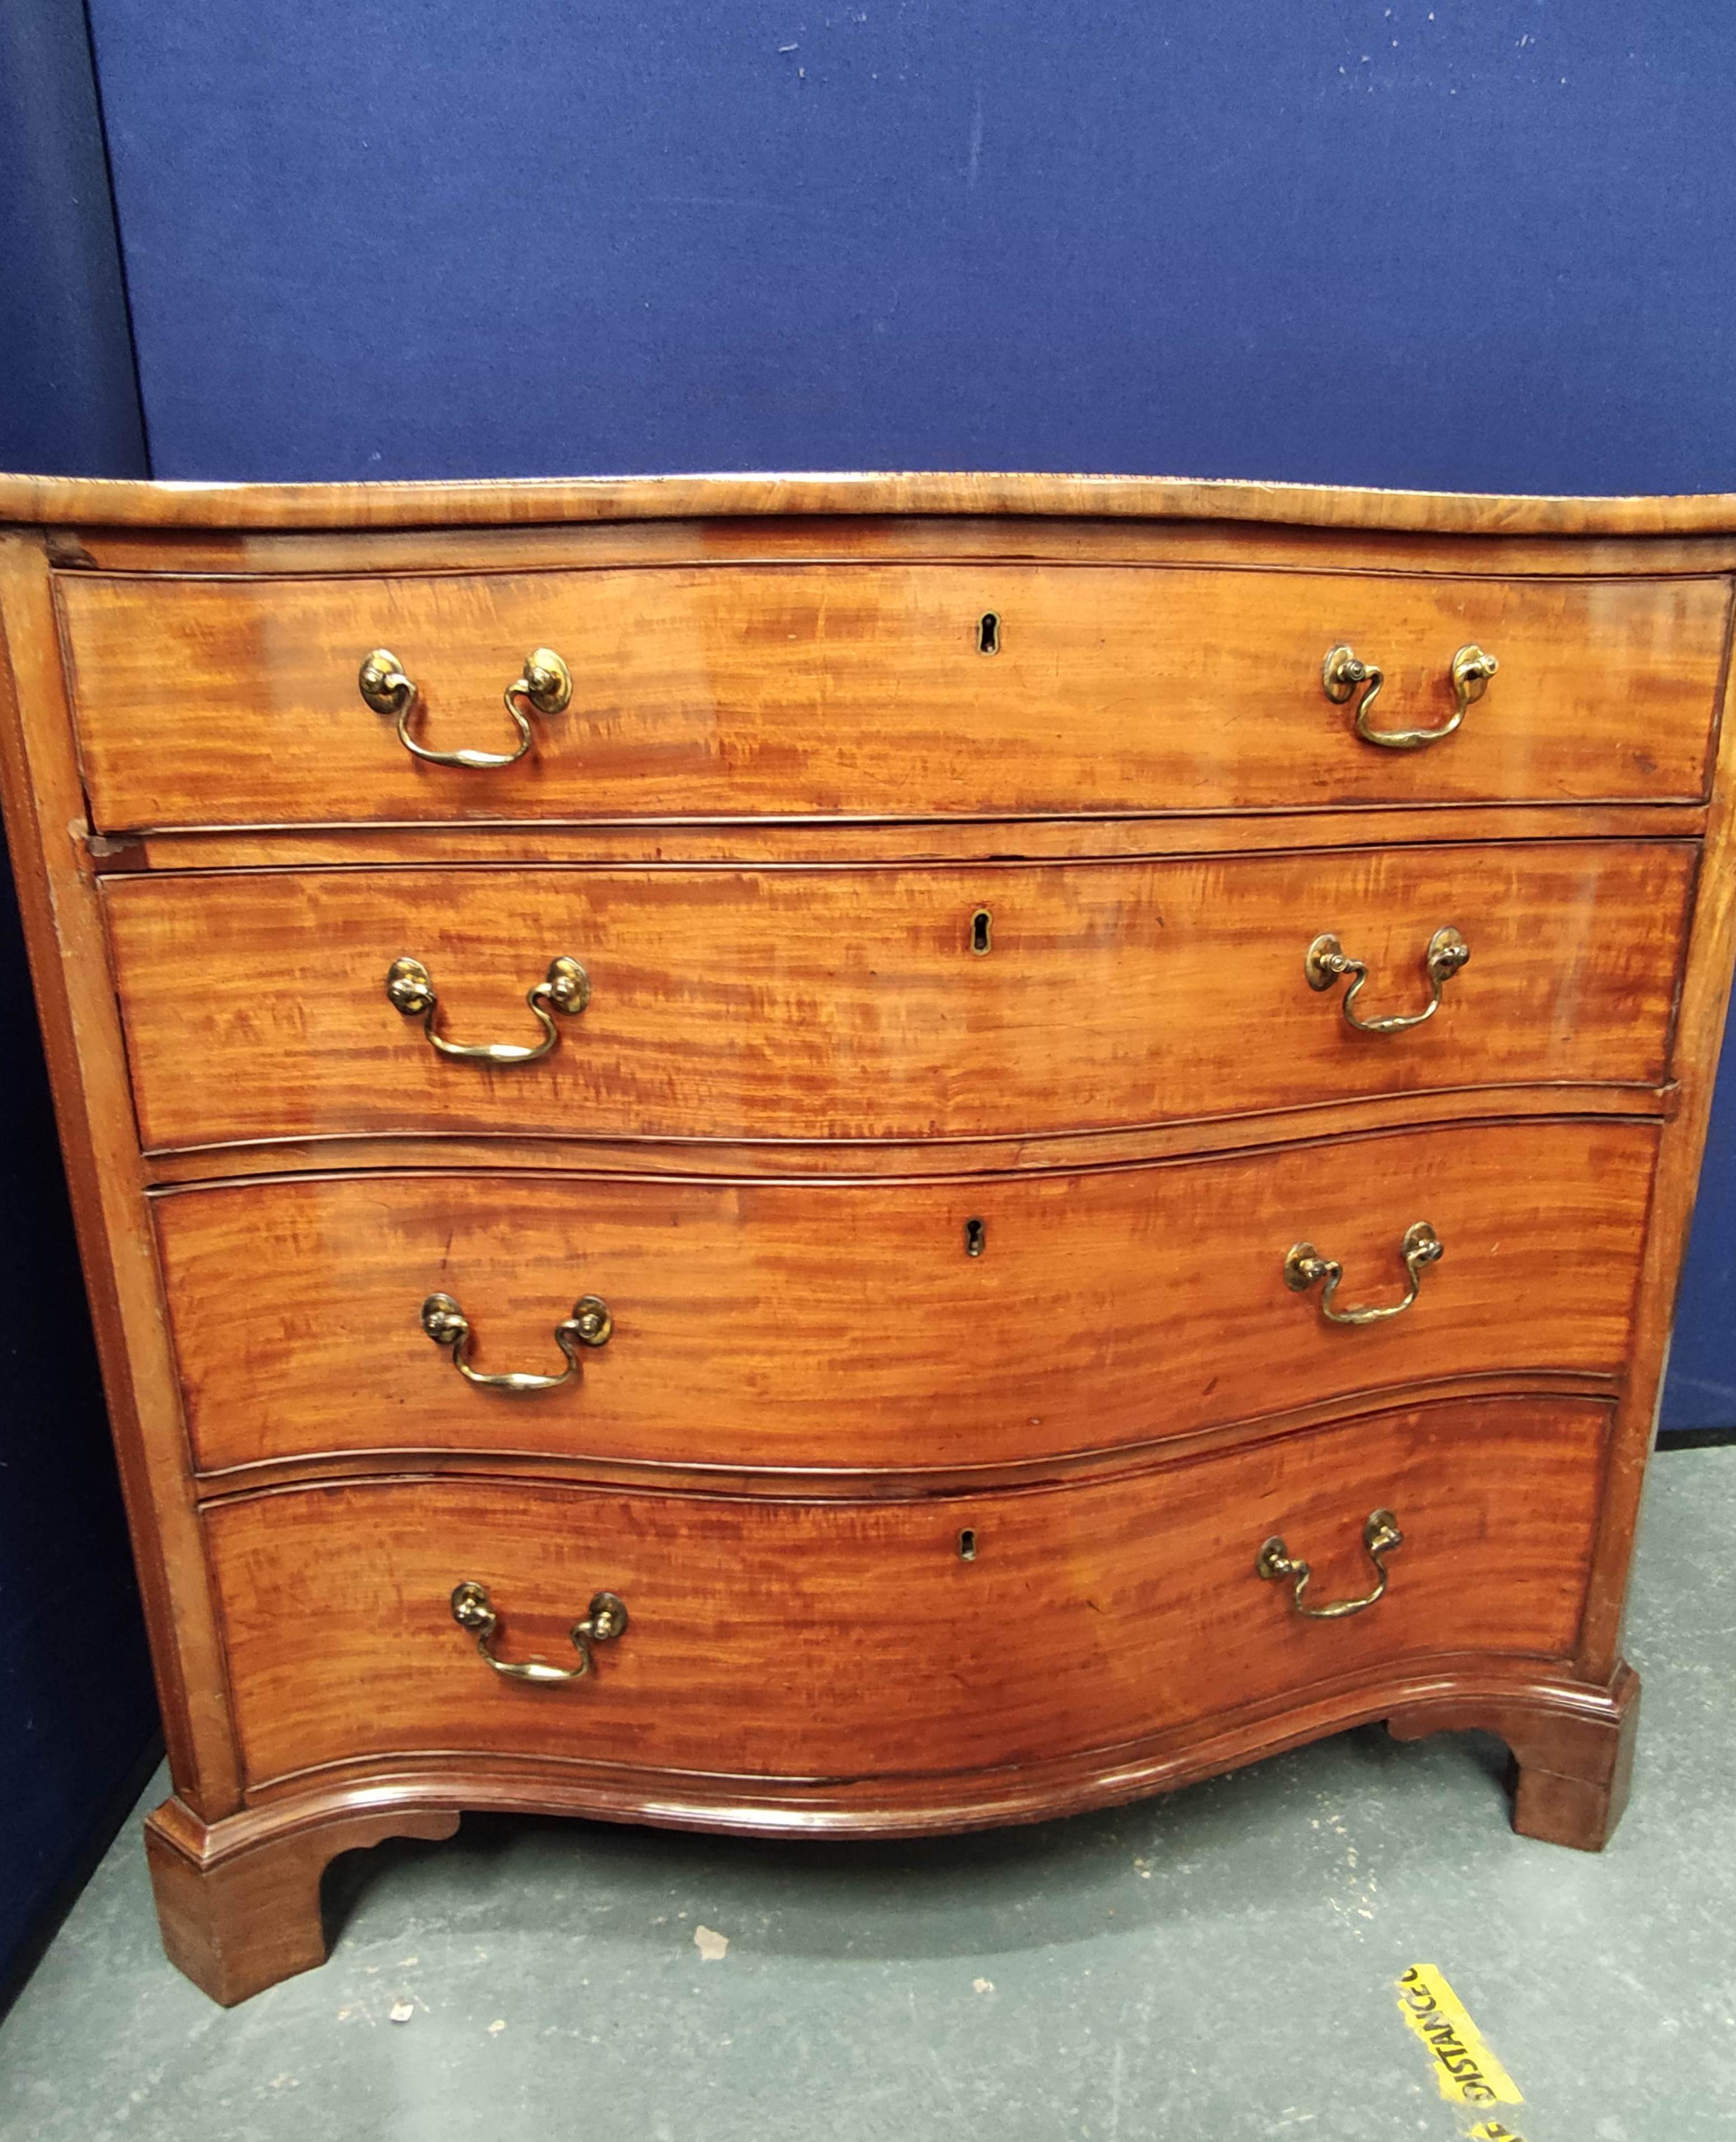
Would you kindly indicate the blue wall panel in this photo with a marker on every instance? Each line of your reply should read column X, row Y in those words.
column 76, row 1711
column 69, row 399
column 1473, row 245
column 77, row 1714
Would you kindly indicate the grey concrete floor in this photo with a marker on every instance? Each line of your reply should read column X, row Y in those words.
column 1218, row 1965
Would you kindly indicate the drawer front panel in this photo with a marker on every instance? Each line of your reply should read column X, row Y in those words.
column 873, row 1004
column 863, row 690
column 808, row 1641
column 833, row 1326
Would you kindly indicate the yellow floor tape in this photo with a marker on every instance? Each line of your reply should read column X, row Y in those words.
column 1466, row 2070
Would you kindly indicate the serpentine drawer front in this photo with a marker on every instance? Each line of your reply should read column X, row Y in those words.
column 880, row 690
column 831, row 1641
column 953, row 1324
column 868, row 1154
column 883, row 1003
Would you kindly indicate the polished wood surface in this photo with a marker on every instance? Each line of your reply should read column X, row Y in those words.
column 1700, row 1021
column 842, row 1326
column 520, row 501
column 1573, row 1763
column 781, row 842
column 237, row 1921
column 864, row 1641
column 238, row 1900
column 58, row 904
column 794, row 1084
column 824, row 1003
column 861, row 690
column 822, row 1159
column 933, row 539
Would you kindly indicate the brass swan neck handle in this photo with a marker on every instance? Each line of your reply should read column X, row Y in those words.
column 544, row 684
column 565, row 987
column 1326, row 962
column 1381, row 1537
column 1343, row 672
column 1304, row 1267
column 605, row 1620
column 589, row 1325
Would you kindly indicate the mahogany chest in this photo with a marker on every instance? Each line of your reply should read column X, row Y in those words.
column 859, row 1155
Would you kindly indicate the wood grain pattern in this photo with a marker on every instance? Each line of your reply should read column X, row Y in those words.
column 518, row 501
column 1542, row 1702
column 1704, row 1004
column 844, row 1326
column 826, row 1483
column 1091, row 1615
column 851, row 840
column 830, row 1004
column 81, row 1027
column 860, row 690
column 820, row 1160
column 939, row 539
column 238, row 1900
column 240, row 1911
column 1573, row 1762
column 934, row 539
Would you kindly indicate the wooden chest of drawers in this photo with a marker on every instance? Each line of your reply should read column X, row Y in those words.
column 868, row 1154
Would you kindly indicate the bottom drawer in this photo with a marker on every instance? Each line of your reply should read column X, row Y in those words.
column 812, row 1640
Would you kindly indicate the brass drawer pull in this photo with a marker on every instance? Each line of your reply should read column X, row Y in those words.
column 1327, row 962
column 589, row 1325
column 1343, row 673
column 1381, row 1537
column 545, row 684
column 603, row 1623
column 1305, row 1265
column 565, row 987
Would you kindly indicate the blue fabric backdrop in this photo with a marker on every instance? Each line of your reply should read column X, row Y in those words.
column 1472, row 244
column 70, row 403
column 76, row 1711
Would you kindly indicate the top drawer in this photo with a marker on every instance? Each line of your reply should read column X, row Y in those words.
column 865, row 690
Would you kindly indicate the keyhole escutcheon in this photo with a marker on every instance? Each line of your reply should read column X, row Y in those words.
column 982, row 932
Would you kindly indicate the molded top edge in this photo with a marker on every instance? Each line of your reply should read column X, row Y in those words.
column 94, row 501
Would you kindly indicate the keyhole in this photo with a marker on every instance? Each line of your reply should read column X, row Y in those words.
column 967, row 1545
column 975, row 1235
column 982, row 924
column 988, row 632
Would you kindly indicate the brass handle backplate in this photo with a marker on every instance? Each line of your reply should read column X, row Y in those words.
column 1328, row 962
column 589, row 1325
column 1343, row 673
column 605, row 1620
column 1304, row 1266
column 544, row 684
column 565, row 987
column 1381, row 1537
